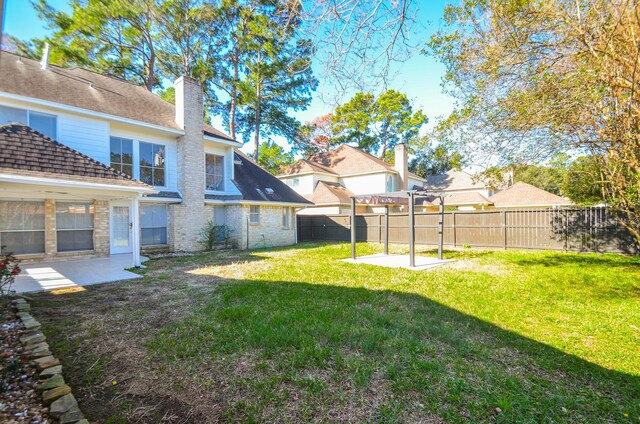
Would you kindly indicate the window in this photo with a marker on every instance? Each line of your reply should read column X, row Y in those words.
column 152, row 164
column 22, row 227
column 153, row 224
column 9, row 115
column 293, row 182
column 41, row 122
column 44, row 123
column 391, row 183
column 286, row 217
column 214, row 169
column 122, row 155
column 254, row 214
column 74, row 226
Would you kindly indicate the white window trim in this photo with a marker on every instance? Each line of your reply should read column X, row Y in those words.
column 224, row 173
column 258, row 213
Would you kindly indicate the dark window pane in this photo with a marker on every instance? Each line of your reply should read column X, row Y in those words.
column 158, row 176
column 127, row 169
column 127, row 151
column 75, row 240
column 146, row 154
column 23, row 242
column 151, row 236
column 146, row 175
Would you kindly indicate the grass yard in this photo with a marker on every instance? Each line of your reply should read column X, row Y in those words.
column 295, row 335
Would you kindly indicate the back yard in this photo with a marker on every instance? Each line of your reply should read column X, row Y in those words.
column 294, row 335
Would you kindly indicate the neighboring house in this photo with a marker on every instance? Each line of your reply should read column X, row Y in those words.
column 523, row 195
column 127, row 171
column 462, row 189
column 329, row 179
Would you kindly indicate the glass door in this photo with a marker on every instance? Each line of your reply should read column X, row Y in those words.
column 120, row 228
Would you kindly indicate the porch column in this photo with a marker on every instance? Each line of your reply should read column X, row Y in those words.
column 101, row 229
column 135, row 236
column 50, row 237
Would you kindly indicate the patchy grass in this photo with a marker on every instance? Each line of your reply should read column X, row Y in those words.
column 295, row 335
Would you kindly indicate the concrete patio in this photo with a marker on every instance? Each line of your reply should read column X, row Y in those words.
column 73, row 275
column 398, row 261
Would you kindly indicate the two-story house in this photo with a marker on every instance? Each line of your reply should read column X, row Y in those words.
column 94, row 165
column 329, row 179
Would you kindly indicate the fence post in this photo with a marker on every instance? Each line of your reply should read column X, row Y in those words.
column 379, row 228
column 504, row 228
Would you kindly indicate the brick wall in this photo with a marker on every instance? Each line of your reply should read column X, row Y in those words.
column 101, row 235
column 269, row 232
column 188, row 217
column 50, row 238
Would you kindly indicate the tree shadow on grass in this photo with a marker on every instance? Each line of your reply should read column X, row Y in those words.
column 367, row 355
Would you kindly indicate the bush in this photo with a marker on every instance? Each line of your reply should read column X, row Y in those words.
column 212, row 235
column 9, row 269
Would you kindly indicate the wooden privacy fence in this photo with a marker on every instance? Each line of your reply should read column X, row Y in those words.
column 572, row 229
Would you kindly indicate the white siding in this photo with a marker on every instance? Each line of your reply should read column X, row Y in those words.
column 366, row 184
column 88, row 136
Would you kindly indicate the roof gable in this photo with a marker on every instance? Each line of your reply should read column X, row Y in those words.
column 25, row 151
column 523, row 194
column 344, row 160
column 326, row 192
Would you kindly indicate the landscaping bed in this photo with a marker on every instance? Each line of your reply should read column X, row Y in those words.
column 296, row 335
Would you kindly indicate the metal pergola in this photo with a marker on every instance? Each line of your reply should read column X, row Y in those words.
column 395, row 199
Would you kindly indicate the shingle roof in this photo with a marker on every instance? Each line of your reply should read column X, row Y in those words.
column 344, row 160
column 256, row 184
column 88, row 90
column 326, row 192
column 460, row 199
column 454, row 180
column 305, row 165
column 24, row 151
column 523, row 194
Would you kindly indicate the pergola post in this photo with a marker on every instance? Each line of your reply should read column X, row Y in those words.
column 353, row 228
column 441, row 228
column 412, row 232
column 386, row 229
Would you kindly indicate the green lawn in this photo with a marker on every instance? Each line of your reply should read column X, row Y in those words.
column 296, row 335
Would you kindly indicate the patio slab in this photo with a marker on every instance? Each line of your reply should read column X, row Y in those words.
column 73, row 275
column 398, row 261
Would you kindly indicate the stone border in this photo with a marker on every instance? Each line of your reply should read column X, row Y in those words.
column 56, row 394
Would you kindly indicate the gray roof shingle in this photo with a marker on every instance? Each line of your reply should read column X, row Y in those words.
column 88, row 90
column 256, row 184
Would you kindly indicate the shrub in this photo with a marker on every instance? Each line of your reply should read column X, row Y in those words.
column 212, row 235
column 9, row 269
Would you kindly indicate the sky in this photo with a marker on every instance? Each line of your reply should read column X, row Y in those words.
column 419, row 77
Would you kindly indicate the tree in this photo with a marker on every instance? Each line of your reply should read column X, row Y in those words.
column 115, row 37
column 377, row 124
column 273, row 158
column 277, row 74
column 430, row 160
column 582, row 182
column 537, row 77
column 315, row 136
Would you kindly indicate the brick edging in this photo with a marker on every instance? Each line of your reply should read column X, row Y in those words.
column 56, row 394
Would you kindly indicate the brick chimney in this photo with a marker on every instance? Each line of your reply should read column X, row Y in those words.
column 402, row 166
column 189, row 216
